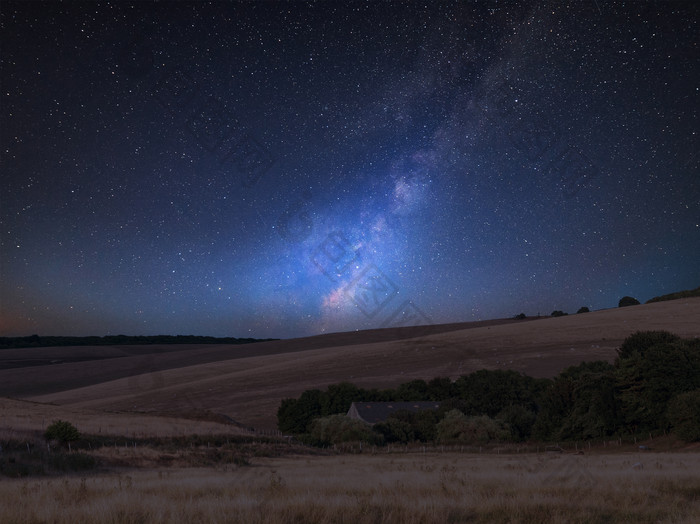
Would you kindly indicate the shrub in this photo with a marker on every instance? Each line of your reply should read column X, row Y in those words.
column 62, row 431
column 627, row 301
column 422, row 422
column 395, row 430
column 584, row 309
column 457, row 428
column 71, row 461
column 558, row 313
column 521, row 316
column 340, row 428
column 684, row 415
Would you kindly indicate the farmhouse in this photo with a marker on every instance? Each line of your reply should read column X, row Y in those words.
column 373, row 412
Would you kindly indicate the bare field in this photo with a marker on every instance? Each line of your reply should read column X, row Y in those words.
column 431, row 488
column 249, row 388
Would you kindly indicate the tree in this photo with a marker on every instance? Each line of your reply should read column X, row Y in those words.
column 595, row 410
column 440, row 388
column 520, row 421
column 338, row 398
column 413, row 390
column 583, row 309
column 62, row 431
column 558, row 313
column 580, row 403
column 627, row 301
column 395, row 430
column 295, row 415
column 520, row 316
column 648, row 380
column 639, row 342
column 684, row 415
column 487, row 392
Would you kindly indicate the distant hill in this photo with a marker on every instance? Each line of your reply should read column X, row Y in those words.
column 678, row 294
column 35, row 341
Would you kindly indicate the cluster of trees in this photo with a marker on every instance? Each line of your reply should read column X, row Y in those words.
column 116, row 340
column 653, row 385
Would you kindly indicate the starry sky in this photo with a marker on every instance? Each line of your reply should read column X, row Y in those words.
column 281, row 169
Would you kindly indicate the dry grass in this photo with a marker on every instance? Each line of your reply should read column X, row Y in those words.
column 376, row 489
column 22, row 417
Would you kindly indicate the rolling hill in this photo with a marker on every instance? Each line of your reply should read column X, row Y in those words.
column 246, row 383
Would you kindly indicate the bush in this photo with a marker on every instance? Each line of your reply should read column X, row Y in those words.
column 684, row 415
column 340, row 428
column 627, row 301
column 584, row 309
column 62, row 431
column 71, row 461
column 422, row 422
column 457, row 428
column 558, row 313
column 521, row 316
column 395, row 430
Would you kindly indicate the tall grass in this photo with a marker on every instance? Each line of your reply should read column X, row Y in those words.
column 639, row 488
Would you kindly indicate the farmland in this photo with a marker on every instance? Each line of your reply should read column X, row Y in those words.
column 182, row 434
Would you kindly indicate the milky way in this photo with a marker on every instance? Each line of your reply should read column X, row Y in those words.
column 285, row 169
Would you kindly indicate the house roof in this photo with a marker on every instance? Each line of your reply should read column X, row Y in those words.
column 373, row 412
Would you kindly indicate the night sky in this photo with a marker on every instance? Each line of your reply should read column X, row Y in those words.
column 287, row 169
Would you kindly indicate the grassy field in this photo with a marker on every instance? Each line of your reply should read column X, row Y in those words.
column 387, row 488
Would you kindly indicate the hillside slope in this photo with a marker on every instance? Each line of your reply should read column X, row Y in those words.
column 249, row 388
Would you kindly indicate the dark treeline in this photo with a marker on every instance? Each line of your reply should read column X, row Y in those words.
column 118, row 340
column 675, row 296
column 653, row 385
